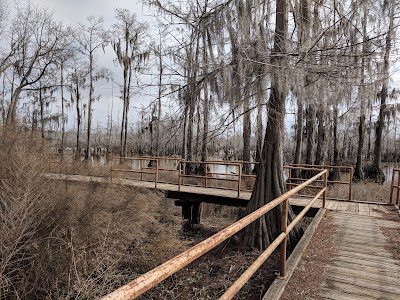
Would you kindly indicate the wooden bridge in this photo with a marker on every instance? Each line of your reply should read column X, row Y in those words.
column 361, row 266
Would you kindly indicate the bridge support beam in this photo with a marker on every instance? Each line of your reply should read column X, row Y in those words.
column 191, row 211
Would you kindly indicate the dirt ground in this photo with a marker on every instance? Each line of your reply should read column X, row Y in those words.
column 307, row 275
column 393, row 234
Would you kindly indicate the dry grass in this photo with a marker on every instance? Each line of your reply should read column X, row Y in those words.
column 62, row 240
column 66, row 240
column 362, row 191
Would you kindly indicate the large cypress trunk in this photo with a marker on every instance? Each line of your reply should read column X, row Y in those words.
column 269, row 182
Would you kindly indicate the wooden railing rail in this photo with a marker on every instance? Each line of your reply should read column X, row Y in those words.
column 349, row 182
column 394, row 186
column 235, row 177
column 142, row 170
column 147, row 281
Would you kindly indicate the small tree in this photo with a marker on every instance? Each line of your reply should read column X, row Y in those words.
column 37, row 41
column 128, row 44
column 91, row 37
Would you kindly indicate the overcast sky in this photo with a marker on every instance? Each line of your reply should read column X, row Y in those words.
column 78, row 10
column 72, row 12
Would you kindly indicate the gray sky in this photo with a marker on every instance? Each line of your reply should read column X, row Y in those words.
column 78, row 10
column 72, row 12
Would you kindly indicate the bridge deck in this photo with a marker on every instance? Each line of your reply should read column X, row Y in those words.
column 360, row 268
column 228, row 197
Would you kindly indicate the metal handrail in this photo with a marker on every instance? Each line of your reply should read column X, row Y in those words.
column 326, row 167
column 141, row 170
column 147, row 281
column 394, row 186
column 182, row 174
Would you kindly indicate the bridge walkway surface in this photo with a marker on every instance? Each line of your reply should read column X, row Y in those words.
column 361, row 266
column 224, row 196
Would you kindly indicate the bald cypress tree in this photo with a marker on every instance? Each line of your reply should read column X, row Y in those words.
column 269, row 182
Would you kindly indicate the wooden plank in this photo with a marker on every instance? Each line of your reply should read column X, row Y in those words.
column 342, row 206
column 386, row 270
column 335, row 204
column 330, row 204
column 361, row 283
column 377, row 278
column 353, row 207
column 359, row 250
column 363, row 256
column 327, row 293
column 357, row 291
column 363, row 209
column 350, row 240
column 367, row 263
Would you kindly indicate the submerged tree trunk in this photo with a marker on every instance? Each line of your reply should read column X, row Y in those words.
column 321, row 137
column 246, row 133
column 78, row 122
column 310, row 134
column 358, row 171
column 335, row 137
column 269, row 182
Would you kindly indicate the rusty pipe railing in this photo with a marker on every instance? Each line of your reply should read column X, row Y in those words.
column 394, row 186
column 142, row 170
column 349, row 182
column 237, row 177
column 145, row 282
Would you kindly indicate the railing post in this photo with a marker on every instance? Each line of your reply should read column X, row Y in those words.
column 392, row 186
column 285, row 210
column 179, row 175
column 239, row 179
column 156, row 179
column 325, row 186
column 351, row 183
column 290, row 177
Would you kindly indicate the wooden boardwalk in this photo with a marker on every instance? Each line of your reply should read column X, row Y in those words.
column 367, row 209
column 361, row 268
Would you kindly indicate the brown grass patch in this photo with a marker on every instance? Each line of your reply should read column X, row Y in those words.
column 393, row 234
